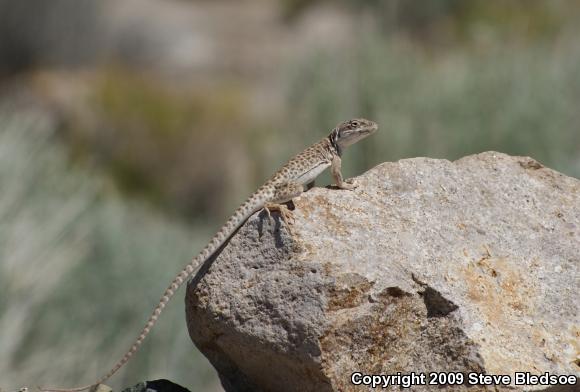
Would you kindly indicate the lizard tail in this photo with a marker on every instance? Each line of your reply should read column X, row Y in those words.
column 169, row 292
column 253, row 204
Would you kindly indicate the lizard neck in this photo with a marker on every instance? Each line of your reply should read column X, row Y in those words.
column 334, row 146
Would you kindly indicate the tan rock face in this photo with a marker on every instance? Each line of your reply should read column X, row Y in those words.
column 429, row 266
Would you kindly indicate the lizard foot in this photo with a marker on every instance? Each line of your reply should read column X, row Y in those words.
column 349, row 184
column 285, row 213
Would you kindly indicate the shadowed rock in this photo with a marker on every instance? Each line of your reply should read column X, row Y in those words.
column 161, row 385
column 429, row 266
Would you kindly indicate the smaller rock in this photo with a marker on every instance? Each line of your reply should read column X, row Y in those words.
column 161, row 385
column 103, row 388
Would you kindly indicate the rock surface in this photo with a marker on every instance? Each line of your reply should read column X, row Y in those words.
column 428, row 266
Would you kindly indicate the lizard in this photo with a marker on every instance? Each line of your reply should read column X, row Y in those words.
column 295, row 177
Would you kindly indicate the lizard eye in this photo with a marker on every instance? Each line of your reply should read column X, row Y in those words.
column 355, row 123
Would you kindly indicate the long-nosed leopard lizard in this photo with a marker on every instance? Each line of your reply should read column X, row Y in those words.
column 288, row 182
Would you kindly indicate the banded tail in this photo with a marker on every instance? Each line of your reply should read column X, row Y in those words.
column 250, row 206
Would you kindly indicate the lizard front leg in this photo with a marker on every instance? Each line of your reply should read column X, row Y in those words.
column 335, row 166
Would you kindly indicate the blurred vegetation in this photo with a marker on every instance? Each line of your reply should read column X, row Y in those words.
column 71, row 279
column 104, row 204
column 455, row 21
column 521, row 102
column 158, row 142
column 31, row 32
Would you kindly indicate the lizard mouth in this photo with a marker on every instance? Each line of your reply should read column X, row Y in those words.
column 371, row 129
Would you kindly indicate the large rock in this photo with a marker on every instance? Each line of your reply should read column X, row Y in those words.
column 428, row 266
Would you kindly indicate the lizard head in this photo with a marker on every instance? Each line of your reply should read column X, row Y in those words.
column 351, row 131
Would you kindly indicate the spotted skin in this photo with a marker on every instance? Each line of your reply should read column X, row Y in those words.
column 288, row 182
